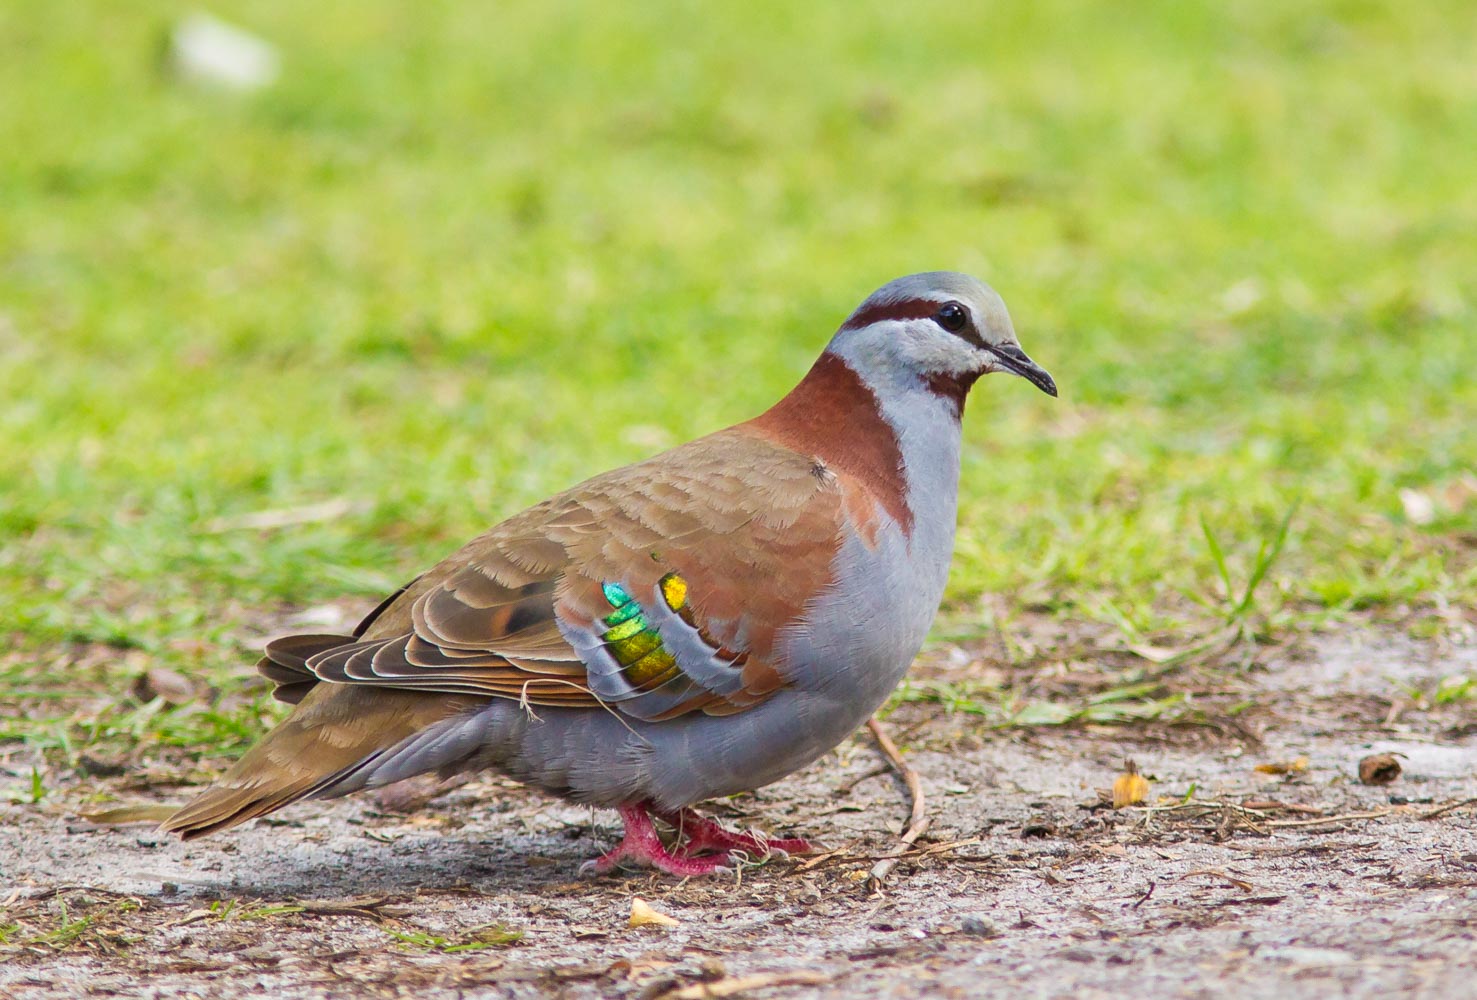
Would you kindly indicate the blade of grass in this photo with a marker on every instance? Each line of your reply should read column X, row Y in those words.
column 1266, row 557
column 1218, row 555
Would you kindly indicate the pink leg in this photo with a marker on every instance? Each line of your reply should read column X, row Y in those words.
column 702, row 834
column 642, row 846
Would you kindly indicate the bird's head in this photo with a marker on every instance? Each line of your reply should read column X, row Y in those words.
column 940, row 328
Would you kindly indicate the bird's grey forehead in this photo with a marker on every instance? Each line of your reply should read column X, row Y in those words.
column 938, row 285
column 918, row 295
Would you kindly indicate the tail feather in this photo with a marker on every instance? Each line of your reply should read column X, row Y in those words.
column 333, row 731
column 222, row 807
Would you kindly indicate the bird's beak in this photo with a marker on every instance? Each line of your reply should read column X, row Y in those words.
column 1014, row 360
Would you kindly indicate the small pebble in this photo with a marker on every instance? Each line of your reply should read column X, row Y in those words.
column 980, row 927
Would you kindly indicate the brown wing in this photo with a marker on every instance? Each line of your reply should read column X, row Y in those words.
column 659, row 588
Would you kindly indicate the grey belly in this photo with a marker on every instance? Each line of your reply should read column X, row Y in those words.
column 598, row 758
column 605, row 758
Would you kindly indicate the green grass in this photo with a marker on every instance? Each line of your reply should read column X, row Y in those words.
column 1142, row 700
column 58, row 928
column 476, row 939
column 461, row 256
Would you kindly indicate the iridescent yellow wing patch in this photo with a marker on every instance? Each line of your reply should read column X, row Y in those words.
column 631, row 639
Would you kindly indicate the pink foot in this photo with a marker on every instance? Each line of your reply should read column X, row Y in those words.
column 642, row 846
column 702, row 834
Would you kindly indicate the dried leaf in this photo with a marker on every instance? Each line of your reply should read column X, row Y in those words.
column 99, row 766
column 193, row 917
column 745, row 984
column 1129, row 788
column 636, row 968
column 1459, row 492
column 1379, row 769
column 1297, row 766
column 643, row 915
column 171, row 686
column 1155, row 654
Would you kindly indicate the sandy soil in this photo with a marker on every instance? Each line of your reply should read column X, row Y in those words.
column 1303, row 884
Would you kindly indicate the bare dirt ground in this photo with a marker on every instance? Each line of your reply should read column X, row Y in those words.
column 1234, row 882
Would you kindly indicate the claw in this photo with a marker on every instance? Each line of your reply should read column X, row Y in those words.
column 642, row 846
column 703, row 846
column 703, row 834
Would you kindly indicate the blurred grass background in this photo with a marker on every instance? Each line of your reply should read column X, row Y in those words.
column 460, row 256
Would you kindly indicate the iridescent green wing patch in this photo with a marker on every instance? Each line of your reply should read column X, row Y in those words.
column 633, row 641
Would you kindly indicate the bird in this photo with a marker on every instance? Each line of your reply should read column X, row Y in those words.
column 695, row 625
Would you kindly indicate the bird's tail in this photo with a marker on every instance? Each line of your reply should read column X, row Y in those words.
column 329, row 745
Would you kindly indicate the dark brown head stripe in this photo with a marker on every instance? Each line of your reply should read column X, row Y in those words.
column 905, row 309
column 902, row 309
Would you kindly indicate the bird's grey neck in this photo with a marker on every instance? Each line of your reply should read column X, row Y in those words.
column 928, row 432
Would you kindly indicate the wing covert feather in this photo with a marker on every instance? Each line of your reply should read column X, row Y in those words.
column 659, row 589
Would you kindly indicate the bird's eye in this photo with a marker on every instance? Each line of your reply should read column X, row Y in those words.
column 952, row 317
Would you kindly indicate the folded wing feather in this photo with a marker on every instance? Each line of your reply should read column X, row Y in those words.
column 657, row 589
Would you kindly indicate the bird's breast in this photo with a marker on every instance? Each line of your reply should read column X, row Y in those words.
column 861, row 633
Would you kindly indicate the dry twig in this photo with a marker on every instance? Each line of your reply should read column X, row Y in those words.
column 374, row 908
column 1325, row 820
column 917, row 818
column 1272, row 805
column 841, row 856
column 1239, row 883
column 743, row 984
column 1452, row 807
column 846, row 786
